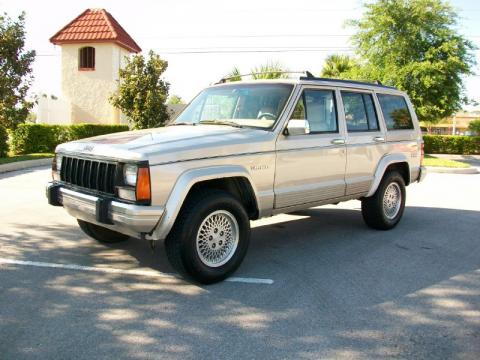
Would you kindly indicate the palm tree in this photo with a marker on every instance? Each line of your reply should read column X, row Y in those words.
column 269, row 70
column 337, row 66
column 234, row 75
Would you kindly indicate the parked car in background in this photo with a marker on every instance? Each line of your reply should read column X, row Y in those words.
column 238, row 152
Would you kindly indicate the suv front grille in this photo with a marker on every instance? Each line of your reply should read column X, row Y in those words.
column 90, row 174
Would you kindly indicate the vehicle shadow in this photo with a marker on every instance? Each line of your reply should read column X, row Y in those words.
column 341, row 290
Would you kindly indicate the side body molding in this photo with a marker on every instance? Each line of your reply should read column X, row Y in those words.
column 183, row 186
column 382, row 166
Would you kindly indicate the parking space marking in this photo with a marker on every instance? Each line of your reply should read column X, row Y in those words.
column 136, row 272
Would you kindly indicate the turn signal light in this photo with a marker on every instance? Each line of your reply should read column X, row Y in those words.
column 143, row 191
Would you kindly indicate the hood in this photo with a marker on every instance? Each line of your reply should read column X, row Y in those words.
column 174, row 143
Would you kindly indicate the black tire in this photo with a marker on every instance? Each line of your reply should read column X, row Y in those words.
column 374, row 214
column 100, row 233
column 181, row 243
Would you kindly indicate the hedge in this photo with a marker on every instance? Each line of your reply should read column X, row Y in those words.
column 37, row 138
column 3, row 142
column 451, row 144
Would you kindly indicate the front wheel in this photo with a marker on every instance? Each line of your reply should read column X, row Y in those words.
column 210, row 237
column 385, row 208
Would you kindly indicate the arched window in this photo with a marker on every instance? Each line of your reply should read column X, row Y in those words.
column 86, row 58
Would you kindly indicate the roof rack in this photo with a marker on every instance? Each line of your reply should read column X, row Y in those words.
column 310, row 77
column 225, row 79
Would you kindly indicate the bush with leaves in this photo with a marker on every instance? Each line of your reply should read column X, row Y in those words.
column 81, row 131
column 451, row 144
column 36, row 138
column 474, row 126
column 44, row 138
column 142, row 93
column 3, row 141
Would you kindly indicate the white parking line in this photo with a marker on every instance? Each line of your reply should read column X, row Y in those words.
column 148, row 273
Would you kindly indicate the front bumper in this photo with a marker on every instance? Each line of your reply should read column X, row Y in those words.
column 130, row 219
column 422, row 173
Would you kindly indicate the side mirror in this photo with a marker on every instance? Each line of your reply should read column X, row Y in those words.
column 297, row 127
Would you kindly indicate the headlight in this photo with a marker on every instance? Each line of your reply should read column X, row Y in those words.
column 130, row 174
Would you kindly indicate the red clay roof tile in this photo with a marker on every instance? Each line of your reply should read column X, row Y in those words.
column 96, row 25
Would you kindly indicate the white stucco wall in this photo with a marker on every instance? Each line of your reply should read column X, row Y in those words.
column 53, row 111
column 88, row 91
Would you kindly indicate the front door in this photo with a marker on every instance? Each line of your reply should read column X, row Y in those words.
column 311, row 167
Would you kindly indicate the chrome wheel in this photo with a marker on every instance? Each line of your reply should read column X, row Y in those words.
column 217, row 238
column 392, row 200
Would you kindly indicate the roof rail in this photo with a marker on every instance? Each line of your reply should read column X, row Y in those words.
column 225, row 79
column 310, row 77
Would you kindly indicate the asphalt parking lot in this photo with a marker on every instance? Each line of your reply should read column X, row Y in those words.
column 315, row 284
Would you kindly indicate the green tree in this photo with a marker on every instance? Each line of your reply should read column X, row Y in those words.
column 142, row 93
column 175, row 99
column 338, row 66
column 474, row 126
column 15, row 72
column 414, row 45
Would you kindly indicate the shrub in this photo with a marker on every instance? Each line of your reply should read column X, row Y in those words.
column 81, row 131
column 38, row 138
column 451, row 144
column 3, row 142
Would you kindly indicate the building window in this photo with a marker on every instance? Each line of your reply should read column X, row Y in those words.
column 86, row 58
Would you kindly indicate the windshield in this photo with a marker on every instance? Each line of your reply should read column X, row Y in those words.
column 252, row 105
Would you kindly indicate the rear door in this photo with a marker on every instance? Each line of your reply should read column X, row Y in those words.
column 365, row 141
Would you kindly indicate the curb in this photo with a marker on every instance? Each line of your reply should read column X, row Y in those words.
column 447, row 170
column 21, row 165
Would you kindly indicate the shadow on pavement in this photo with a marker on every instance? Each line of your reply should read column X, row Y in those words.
column 341, row 290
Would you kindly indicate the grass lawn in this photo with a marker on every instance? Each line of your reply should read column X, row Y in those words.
column 16, row 158
column 434, row 161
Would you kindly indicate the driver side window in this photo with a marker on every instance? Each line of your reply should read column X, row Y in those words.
column 318, row 107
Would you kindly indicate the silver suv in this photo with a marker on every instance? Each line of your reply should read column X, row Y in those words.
column 238, row 152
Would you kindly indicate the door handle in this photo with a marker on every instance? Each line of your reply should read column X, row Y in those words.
column 379, row 139
column 338, row 141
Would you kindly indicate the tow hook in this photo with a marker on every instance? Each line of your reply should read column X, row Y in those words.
column 151, row 242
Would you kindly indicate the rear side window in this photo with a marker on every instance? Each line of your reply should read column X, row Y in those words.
column 359, row 111
column 395, row 112
column 318, row 108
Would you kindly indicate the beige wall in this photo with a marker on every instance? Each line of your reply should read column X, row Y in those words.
column 88, row 91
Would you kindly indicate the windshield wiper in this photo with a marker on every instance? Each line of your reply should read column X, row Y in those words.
column 220, row 122
column 181, row 123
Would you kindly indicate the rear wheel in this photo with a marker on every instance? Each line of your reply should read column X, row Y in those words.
column 385, row 208
column 100, row 233
column 210, row 237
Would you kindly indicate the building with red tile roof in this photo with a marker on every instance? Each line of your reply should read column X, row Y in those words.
column 94, row 49
column 95, row 26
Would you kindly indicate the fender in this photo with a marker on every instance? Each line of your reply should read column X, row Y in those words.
column 382, row 166
column 182, row 187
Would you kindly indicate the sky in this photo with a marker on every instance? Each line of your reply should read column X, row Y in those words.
column 203, row 40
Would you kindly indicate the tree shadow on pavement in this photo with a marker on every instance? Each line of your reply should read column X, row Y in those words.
column 341, row 290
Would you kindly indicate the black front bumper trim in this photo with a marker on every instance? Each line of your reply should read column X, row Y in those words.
column 53, row 195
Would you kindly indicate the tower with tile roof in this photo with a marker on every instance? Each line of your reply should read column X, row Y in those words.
column 94, row 47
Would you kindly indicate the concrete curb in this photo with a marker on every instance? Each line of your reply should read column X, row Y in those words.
column 20, row 165
column 447, row 170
